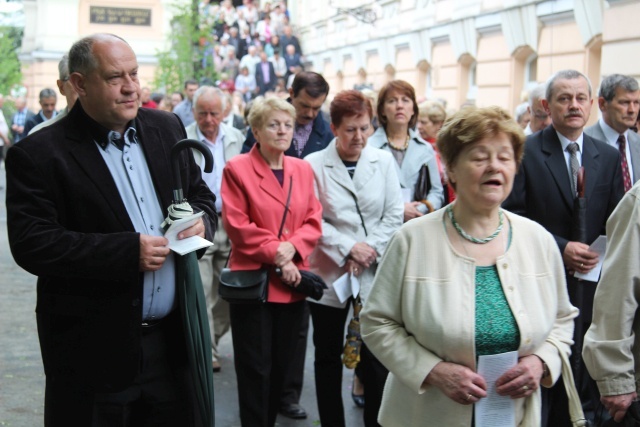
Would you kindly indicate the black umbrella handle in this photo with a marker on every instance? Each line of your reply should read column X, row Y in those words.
column 178, row 194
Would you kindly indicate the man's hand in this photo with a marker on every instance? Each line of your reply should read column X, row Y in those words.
column 578, row 257
column 618, row 405
column 153, row 252
column 197, row 229
column 411, row 210
column 285, row 253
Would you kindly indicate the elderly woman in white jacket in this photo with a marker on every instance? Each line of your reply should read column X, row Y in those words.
column 360, row 195
column 467, row 281
column 398, row 113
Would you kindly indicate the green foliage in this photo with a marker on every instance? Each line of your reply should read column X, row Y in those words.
column 10, row 40
column 189, row 39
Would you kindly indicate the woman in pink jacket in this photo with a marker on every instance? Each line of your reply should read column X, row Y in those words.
column 255, row 188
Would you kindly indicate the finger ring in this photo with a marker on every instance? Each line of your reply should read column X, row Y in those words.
column 469, row 396
column 582, row 265
column 525, row 387
column 355, row 270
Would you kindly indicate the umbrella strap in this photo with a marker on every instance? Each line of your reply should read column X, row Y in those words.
column 284, row 217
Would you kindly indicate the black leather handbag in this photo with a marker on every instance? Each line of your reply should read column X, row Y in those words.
column 244, row 286
column 249, row 286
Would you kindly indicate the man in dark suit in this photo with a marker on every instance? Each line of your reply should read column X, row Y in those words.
column 311, row 134
column 47, row 111
column 265, row 75
column 544, row 191
column 619, row 102
column 86, row 197
column 289, row 39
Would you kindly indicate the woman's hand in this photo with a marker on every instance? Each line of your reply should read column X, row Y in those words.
column 411, row 210
column 290, row 274
column 285, row 253
column 457, row 382
column 523, row 379
column 353, row 267
column 363, row 254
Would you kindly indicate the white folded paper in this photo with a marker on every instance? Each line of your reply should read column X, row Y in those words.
column 347, row 285
column 600, row 247
column 495, row 410
column 190, row 244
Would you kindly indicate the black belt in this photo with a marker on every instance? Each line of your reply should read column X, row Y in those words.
column 151, row 323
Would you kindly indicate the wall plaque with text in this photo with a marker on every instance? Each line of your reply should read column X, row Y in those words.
column 119, row 16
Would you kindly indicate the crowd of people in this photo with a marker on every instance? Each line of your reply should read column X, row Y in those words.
column 455, row 232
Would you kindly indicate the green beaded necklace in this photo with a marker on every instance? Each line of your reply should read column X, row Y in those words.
column 466, row 235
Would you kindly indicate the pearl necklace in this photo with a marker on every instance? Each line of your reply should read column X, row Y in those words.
column 404, row 148
column 470, row 238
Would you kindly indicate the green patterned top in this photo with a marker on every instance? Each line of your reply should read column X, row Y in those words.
column 496, row 328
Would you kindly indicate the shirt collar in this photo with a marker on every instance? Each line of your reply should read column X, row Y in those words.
column 610, row 133
column 306, row 127
column 219, row 138
column 566, row 141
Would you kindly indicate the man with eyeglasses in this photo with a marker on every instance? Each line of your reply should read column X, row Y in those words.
column 540, row 119
column 224, row 141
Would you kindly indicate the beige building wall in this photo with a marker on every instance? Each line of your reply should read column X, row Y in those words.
column 52, row 26
column 486, row 52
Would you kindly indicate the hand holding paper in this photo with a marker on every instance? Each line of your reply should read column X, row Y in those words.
column 190, row 244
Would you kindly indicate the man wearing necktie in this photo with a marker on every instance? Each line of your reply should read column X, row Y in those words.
column 544, row 190
column 619, row 102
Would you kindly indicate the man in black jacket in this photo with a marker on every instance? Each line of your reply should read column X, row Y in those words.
column 86, row 197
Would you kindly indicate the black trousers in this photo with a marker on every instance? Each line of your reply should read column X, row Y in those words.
column 374, row 376
column 159, row 395
column 555, row 406
column 295, row 377
column 328, row 340
column 264, row 342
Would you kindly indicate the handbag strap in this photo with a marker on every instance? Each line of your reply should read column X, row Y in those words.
column 575, row 406
column 355, row 199
column 286, row 207
column 284, row 217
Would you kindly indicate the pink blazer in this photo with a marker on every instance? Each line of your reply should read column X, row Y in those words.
column 252, row 211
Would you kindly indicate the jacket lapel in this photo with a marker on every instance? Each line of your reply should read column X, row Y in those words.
column 555, row 160
column 591, row 164
column 85, row 152
column 634, row 148
column 268, row 182
column 366, row 168
column 336, row 170
column 155, row 154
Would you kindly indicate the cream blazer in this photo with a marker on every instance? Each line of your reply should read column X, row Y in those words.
column 421, row 311
column 375, row 185
column 611, row 349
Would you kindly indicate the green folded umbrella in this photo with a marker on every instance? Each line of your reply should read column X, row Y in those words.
column 193, row 310
column 191, row 300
